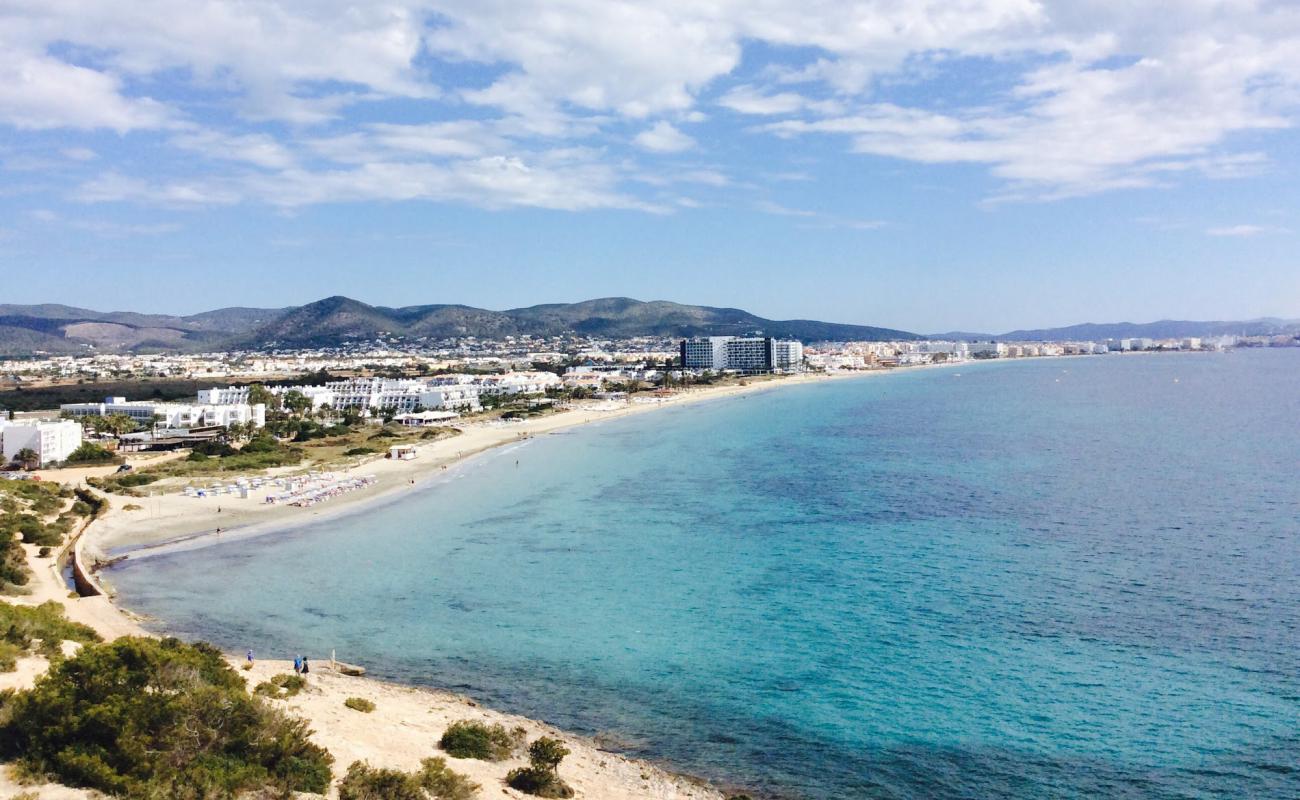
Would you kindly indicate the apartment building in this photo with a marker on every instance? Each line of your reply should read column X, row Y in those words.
column 171, row 415
column 51, row 441
column 742, row 354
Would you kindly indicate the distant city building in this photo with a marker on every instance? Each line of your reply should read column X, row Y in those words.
column 988, row 350
column 742, row 354
column 51, row 441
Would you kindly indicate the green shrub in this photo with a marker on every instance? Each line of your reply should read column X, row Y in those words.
column 359, row 704
column 473, row 739
column 360, row 451
column 149, row 718
column 432, row 781
column 9, row 655
column 91, row 453
column 281, row 686
column 44, row 552
column 130, row 479
column 364, row 782
column 441, row 782
column 21, row 626
column 539, row 777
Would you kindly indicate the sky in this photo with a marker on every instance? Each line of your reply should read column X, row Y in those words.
column 978, row 165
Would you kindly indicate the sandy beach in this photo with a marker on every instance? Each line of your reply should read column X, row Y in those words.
column 407, row 721
column 171, row 516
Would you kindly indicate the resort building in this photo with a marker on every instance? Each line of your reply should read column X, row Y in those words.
column 51, row 441
column 742, row 354
column 171, row 415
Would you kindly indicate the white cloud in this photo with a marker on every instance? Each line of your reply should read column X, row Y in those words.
column 253, row 148
column 38, row 92
column 1242, row 231
column 663, row 137
column 1089, row 95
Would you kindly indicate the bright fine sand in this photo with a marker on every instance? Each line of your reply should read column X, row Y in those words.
column 407, row 721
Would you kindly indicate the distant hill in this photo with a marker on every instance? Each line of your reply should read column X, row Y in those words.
column 336, row 318
column 1163, row 329
column 64, row 329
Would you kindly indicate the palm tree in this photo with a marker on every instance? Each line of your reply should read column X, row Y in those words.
column 27, row 458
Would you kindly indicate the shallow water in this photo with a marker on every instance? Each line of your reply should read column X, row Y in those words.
column 1061, row 578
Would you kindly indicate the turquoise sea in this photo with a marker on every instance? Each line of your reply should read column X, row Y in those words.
column 1067, row 578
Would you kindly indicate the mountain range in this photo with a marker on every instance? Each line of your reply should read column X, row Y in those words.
column 58, row 329
column 65, row 330
column 1163, row 329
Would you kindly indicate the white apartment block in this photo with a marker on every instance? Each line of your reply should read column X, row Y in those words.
column 51, row 441
column 171, row 415
column 988, row 349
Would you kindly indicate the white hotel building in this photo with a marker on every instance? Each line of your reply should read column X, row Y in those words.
column 51, row 441
column 171, row 415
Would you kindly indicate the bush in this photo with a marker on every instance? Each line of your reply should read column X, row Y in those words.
column 213, row 448
column 473, row 739
column 281, row 686
column 360, row 451
column 91, row 453
column 364, row 782
column 44, row 552
column 158, row 718
column 433, row 781
column 539, row 777
column 22, row 626
column 359, row 704
column 441, row 782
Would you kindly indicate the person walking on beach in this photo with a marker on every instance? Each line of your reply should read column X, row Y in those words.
column 250, row 656
column 297, row 664
column 305, row 669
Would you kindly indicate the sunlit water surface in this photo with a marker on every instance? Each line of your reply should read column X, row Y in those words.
column 1062, row 578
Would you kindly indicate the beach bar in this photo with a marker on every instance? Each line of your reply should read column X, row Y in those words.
column 402, row 452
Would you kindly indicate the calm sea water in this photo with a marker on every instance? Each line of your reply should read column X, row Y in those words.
column 1067, row 578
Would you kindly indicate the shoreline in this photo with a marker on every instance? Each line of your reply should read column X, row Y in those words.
column 169, row 522
column 409, row 718
column 389, row 739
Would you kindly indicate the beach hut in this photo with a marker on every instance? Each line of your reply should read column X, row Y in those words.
column 401, row 452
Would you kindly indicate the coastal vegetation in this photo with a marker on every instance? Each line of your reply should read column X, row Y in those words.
column 38, row 513
column 468, row 738
column 541, row 776
column 37, row 629
column 91, row 390
column 432, row 781
column 150, row 718
column 91, row 453
column 360, row 704
column 243, row 451
column 281, row 686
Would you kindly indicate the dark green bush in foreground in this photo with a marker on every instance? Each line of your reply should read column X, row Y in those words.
column 472, row 739
column 144, row 718
column 540, row 777
column 433, row 781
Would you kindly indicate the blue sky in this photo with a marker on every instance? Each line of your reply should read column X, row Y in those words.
column 973, row 164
